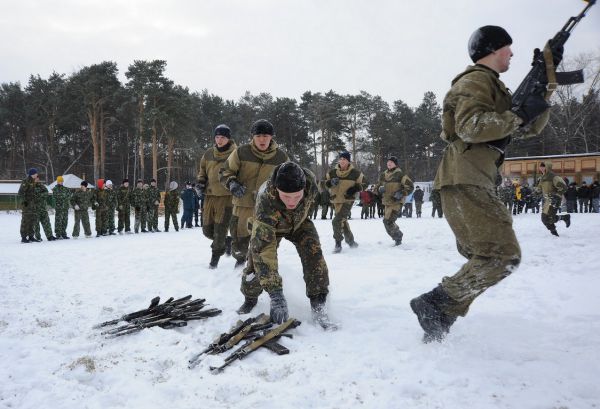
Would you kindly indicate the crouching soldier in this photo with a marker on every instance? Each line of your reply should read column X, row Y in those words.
column 553, row 188
column 282, row 208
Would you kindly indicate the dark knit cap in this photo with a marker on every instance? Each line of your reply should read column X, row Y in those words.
column 290, row 178
column 84, row 183
column 393, row 159
column 345, row 155
column 139, row 181
column 125, row 180
column 223, row 130
column 262, row 127
column 32, row 171
column 487, row 39
column 152, row 180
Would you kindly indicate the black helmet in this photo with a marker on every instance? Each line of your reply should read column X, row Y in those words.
column 487, row 39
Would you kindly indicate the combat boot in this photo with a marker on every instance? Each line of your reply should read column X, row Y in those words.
column 429, row 310
column 319, row 312
column 338, row 246
column 25, row 240
column 554, row 232
column 51, row 238
column 214, row 261
column 567, row 219
column 65, row 237
column 240, row 263
column 33, row 239
column 228, row 241
column 353, row 244
column 398, row 239
column 248, row 305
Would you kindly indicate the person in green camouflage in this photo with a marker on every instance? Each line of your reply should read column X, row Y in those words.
column 218, row 208
column 100, row 205
column 477, row 123
column 243, row 173
column 153, row 201
column 138, row 201
column 41, row 205
column 62, row 200
column 171, row 206
column 81, row 200
column 28, row 209
column 124, row 207
column 343, row 182
column 436, row 203
column 553, row 188
column 394, row 185
column 506, row 192
column 111, row 206
column 282, row 211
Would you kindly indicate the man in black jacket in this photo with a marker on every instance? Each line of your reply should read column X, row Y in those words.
column 583, row 196
column 571, row 196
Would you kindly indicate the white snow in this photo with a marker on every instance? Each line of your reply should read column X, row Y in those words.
column 533, row 341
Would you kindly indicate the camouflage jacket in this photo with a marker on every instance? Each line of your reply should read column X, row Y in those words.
column 123, row 197
column 172, row 201
column 349, row 178
column 27, row 194
column 111, row 198
column 82, row 199
column 251, row 167
column 435, row 197
column 476, row 112
column 138, row 198
column 272, row 222
column 99, row 199
column 62, row 197
column 393, row 181
column 552, row 184
column 41, row 197
column 211, row 165
column 152, row 196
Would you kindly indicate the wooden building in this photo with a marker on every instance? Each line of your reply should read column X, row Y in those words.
column 577, row 167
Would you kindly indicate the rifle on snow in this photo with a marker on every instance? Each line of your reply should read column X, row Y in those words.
column 543, row 76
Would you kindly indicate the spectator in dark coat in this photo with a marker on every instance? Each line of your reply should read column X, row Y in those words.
column 571, row 196
column 189, row 198
column 583, row 195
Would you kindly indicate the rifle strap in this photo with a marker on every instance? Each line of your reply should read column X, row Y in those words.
column 550, row 71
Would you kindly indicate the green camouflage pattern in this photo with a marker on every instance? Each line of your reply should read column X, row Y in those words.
column 83, row 200
column 273, row 222
column 100, row 205
column 111, row 206
column 216, row 217
column 124, row 209
column 28, row 209
column 171, row 208
column 62, row 201
column 139, row 203
column 341, row 227
column 391, row 214
column 153, row 201
column 41, row 204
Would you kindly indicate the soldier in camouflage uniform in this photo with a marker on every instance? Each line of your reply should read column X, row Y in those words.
column 394, row 185
column 81, row 201
column 62, row 200
column 325, row 202
column 153, row 200
column 477, row 122
column 100, row 205
column 507, row 194
column 343, row 182
column 124, row 207
column 283, row 206
column 28, row 209
column 41, row 205
column 171, row 206
column 244, row 172
column 218, row 208
column 138, row 201
column 436, row 203
column 553, row 187
column 111, row 206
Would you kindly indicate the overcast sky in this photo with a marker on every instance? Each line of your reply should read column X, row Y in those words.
column 398, row 49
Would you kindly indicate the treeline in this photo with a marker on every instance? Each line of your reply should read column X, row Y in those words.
column 92, row 125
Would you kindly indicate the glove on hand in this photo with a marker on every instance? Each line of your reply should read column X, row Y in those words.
column 334, row 181
column 237, row 189
column 279, row 309
column 533, row 106
column 381, row 190
column 76, row 207
column 397, row 195
column 351, row 191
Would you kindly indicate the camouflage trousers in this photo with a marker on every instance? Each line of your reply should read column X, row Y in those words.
column 101, row 221
column 83, row 217
column 550, row 212
column 418, row 207
column 28, row 221
column 140, row 219
column 239, row 232
column 153, row 218
column 341, row 227
column 61, row 219
column 216, row 217
column 391, row 214
column 266, row 277
column 110, row 219
column 324, row 211
column 44, row 220
column 484, row 235
column 124, row 216
column 171, row 214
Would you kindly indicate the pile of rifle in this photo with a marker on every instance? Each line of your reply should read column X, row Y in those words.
column 170, row 314
column 257, row 332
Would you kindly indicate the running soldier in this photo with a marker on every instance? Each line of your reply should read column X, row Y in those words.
column 553, row 187
column 62, row 199
column 81, row 201
column 28, row 210
column 124, row 207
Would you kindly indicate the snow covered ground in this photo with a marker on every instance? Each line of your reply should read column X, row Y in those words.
column 533, row 341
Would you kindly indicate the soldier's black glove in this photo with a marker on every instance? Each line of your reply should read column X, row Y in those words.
column 351, row 191
column 381, row 190
column 334, row 181
column 533, row 106
column 237, row 189
column 279, row 309
column 397, row 195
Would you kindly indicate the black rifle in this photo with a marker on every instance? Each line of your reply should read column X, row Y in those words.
column 542, row 79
